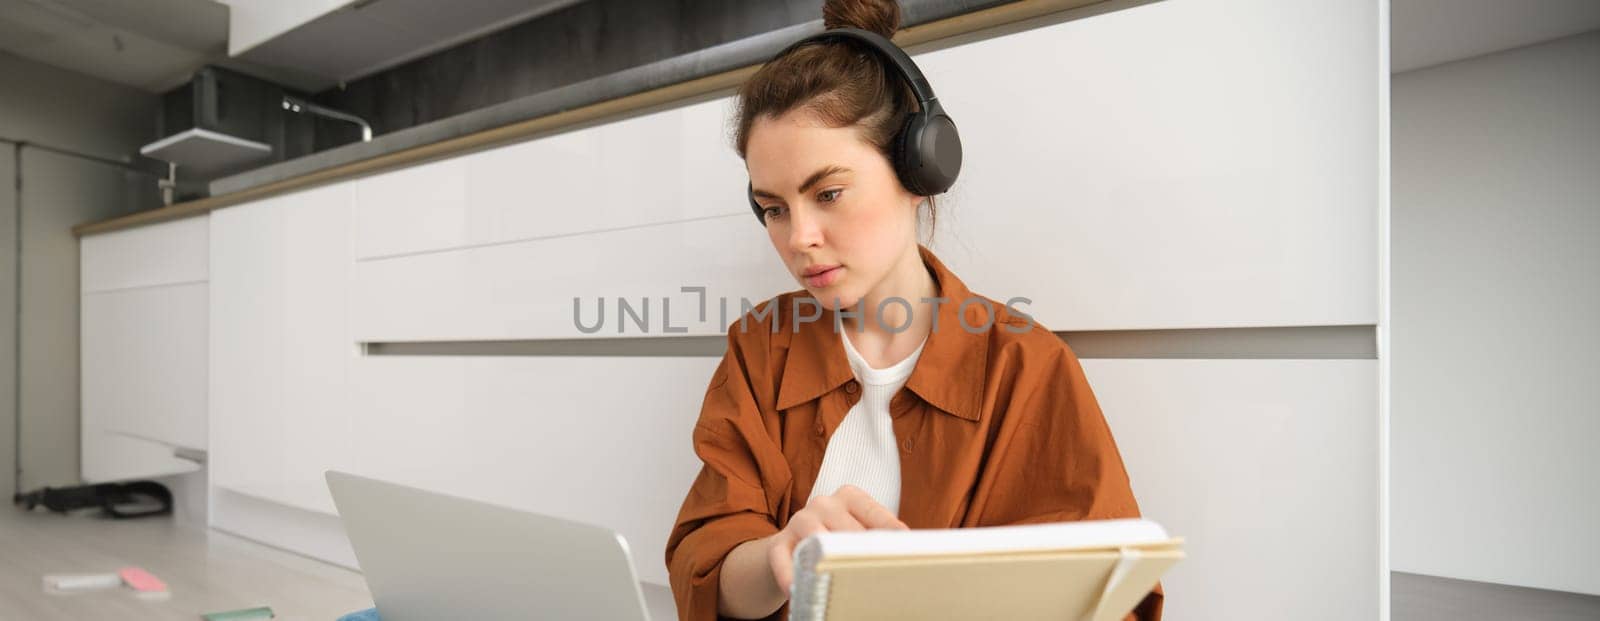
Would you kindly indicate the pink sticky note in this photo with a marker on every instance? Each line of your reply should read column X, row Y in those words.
column 141, row 580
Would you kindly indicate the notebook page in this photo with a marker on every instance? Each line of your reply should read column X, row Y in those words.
column 1023, row 538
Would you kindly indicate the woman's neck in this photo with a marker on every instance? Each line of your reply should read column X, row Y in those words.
column 875, row 337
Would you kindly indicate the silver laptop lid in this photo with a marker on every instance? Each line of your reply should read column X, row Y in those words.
column 429, row 556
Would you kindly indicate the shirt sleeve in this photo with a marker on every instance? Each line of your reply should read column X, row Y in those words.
column 732, row 499
column 1061, row 463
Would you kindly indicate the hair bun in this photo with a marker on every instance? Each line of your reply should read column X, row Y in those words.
column 879, row 16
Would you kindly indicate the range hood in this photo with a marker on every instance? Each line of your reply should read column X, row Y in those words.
column 219, row 123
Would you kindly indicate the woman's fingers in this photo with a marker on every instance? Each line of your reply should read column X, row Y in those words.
column 782, row 553
column 832, row 513
column 781, row 556
column 848, row 509
column 841, row 520
column 868, row 511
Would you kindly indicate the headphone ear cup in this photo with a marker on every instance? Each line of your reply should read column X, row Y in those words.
column 750, row 194
column 932, row 154
column 903, row 159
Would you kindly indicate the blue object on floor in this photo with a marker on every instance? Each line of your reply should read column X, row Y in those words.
column 370, row 614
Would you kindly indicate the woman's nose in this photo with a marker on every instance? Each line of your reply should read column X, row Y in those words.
column 805, row 229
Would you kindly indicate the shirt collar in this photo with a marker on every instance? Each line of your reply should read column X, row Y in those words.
column 949, row 374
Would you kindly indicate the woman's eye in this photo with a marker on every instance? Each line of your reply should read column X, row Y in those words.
column 828, row 196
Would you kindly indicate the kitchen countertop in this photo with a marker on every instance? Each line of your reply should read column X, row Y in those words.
column 709, row 71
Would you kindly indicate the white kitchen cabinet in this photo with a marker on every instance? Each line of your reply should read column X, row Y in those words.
column 143, row 353
column 1259, row 465
column 280, row 345
column 599, row 439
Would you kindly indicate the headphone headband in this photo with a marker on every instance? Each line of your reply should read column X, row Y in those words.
column 887, row 50
column 926, row 151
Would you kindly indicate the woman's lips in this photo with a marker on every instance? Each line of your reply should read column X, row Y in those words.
column 823, row 279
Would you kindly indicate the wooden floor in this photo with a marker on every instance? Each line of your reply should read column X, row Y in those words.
column 205, row 571
column 208, row 571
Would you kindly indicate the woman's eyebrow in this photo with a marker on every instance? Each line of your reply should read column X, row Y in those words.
column 812, row 180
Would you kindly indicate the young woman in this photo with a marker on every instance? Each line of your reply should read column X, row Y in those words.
column 884, row 394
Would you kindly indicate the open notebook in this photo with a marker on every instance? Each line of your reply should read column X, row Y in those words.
column 1089, row 571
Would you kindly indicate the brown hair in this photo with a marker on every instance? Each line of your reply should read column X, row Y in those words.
column 842, row 82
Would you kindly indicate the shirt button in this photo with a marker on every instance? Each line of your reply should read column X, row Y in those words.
column 850, row 387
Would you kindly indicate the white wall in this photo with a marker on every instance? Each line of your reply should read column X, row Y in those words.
column 103, row 120
column 1496, row 268
column 59, row 191
column 1181, row 164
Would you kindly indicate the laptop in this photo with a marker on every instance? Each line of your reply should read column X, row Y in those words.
column 429, row 556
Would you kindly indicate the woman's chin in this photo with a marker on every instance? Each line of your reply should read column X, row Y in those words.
column 832, row 297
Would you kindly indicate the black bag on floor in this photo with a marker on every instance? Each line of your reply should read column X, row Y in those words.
column 119, row 500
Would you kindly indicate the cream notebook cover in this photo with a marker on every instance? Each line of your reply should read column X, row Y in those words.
column 1080, row 571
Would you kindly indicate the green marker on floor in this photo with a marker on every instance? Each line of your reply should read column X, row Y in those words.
column 245, row 614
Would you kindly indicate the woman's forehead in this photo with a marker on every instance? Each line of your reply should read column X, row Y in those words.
column 783, row 150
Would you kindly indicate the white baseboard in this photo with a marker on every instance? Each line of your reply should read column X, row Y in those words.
column 308, row 533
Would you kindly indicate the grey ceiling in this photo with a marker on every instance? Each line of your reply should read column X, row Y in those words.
column 148, row 44
column 367, row 37
column 156, row 45
column 1424, row 33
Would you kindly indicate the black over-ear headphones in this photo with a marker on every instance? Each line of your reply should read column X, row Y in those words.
column 926, row 152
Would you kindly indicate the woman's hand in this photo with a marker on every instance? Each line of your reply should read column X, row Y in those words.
column 850, row 508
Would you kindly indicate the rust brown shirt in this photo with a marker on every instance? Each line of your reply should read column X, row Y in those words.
column 996, row 425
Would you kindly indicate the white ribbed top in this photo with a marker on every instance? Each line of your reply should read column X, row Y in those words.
column 862, row 451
